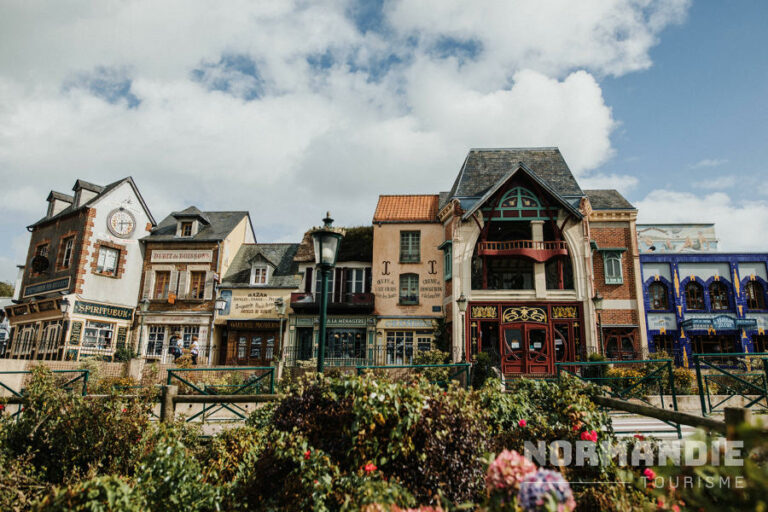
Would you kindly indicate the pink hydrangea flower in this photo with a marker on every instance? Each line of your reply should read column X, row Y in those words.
column 507, row 471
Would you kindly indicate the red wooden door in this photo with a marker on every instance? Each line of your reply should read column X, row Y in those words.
column 526, row 348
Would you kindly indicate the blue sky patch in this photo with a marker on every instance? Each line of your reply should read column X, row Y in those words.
column 462, row 49
column 236, row 74
column 110, row 84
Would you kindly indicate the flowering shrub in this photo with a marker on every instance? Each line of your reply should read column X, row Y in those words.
column 106, row 493
column 506, row 473
column 546, row 490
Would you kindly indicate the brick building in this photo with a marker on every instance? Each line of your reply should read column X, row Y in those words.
column 184, row 257
column 78, row 290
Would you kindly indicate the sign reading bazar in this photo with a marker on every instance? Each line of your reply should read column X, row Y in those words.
column 179, row 256
column 93, row 309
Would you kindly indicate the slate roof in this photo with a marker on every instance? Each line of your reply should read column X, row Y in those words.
column 608, row 200
column 219, row 227
column 357, row 245
column 192, row 212
column 284, row 274
column 484, row 167
column 60, row 196
column 406, row 208
column 100, row 192
column 443, row 199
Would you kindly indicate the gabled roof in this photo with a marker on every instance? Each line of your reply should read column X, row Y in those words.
column 608, row 199
column 483, row 168
column 521, row 168
column 219, row 226
column 60, row 196
column 357, row 245
column 406, row 208
column 284, row 272
column 101, row 192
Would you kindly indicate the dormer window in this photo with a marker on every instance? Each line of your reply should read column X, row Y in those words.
column 186, row 229
column 259, row 275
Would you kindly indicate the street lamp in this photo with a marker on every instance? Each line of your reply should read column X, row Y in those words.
column 597, row 300
column 326, row 242
column 220, row 304
column 143, row 308
column 461, row 303
column 280, row 307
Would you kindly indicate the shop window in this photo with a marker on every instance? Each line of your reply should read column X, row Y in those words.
column 269, row 354
column 98, row 334
column 399, row 347
column 510, row 273
column 162, row 283
column 188, row 334
column 718, row 296
column 619, row 344
column 716, row 344
column 755, row 295
column 259, row 275
column 424, row 344
column 304, row 335
column 553, row 269
column 658, row 296
column 355, row 280
column 760, row 342
column 66, row 248
column 242, row 341
column 664, row 343
column 155, row 340
column 694, row 296
column 612, row 267
column 410, row 242
column 107, row 261
column 409, row 289
column 345, row 344
column 256, row 347
column 197, row 284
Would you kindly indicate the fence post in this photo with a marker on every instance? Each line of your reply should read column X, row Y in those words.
column 167, row 407
column 85, row 382
column 697, row 363
column 272, row 381
column 734, row 418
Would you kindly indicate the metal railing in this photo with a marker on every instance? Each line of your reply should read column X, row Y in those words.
column 626, row 387
column 60, row 350
column 78, row 380
column 353, row 355
column 731, row 375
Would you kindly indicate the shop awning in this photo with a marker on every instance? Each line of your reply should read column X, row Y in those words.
column 719, row 323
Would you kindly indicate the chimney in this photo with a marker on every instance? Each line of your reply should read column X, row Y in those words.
column 85, row 191
column 57, row 202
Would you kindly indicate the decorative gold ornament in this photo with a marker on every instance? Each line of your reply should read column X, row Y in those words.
column 565, row 312
column 484, row 312
column 524, row 314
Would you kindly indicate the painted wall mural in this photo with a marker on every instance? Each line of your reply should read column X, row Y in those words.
column 659, row 238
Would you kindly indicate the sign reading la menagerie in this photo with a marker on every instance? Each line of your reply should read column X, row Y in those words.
column 179, row 256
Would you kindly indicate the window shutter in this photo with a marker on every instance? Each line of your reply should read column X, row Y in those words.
column 148, row 284
column 183, row 280
column 208, row 292
column 174, row 282
column 308, row 280
column 368, row 277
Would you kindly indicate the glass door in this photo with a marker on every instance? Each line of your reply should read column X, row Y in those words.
column 525, row 348
column 513, row 349
column 539, row 357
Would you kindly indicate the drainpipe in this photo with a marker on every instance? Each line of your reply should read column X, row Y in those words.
column 213, row 313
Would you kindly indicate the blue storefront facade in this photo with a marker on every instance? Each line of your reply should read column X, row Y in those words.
column 705, row 302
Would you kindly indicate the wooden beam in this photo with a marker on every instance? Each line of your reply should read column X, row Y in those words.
column 225, row 399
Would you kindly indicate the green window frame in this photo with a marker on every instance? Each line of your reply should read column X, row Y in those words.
column 409, row 289
column 612, row 267
column 410, row 246
column 447, row 248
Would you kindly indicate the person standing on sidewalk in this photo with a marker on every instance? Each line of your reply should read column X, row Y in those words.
column 194, row 349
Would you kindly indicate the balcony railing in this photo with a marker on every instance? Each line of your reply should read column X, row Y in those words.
column 310, row 302
column 539, row 251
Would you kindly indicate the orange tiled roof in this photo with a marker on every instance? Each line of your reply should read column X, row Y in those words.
column 412, row 208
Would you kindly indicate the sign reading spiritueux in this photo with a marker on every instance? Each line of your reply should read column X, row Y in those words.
column 93, row 309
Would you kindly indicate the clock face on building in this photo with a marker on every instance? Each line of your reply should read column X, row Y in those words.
column 121, row 223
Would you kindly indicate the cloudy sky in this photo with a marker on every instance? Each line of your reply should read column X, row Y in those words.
column 288, row 108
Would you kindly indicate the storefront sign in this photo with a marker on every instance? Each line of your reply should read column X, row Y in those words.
column 719, row 323
column 484, row 312
column 93, row 309
column 48, row 286
column 524, row 314
column 346, row 321
column 431, row 288
column 191, row 256
column 253, row 304
column 252, row 324
column 409, row 323
column 74, row 334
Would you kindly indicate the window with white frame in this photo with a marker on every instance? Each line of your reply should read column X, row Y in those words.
column 155, row 340
column 355, row 280
column 399, row 347
column 319, row 284
column 107, row 261
column 189, row 332
column 259, row 275
column 98, row 334
column 67, row 246
column 612, row 267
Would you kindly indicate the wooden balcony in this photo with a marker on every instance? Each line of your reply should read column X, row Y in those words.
column 538, row 251
column 350, row 303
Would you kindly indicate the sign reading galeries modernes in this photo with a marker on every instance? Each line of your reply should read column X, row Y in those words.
column 178, row 256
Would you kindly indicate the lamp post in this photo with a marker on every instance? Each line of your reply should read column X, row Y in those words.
column 64, row 308
column 326, row 242
column 220, row 304
column 597, row 300
column 461, row 302
column 143, row 308
column 280, row 307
